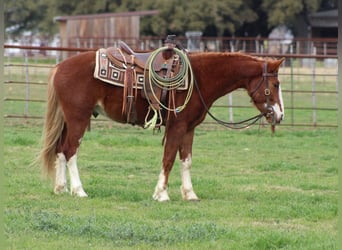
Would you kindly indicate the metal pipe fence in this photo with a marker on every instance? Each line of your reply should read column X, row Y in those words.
column 309, row 84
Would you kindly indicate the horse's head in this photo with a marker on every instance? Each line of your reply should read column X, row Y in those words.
column 265, row 91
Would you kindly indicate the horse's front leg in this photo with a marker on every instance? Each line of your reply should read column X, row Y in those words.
column 171, row 146
column 160, row 191
column 185, row 154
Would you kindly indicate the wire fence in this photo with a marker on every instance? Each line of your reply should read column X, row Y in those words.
column 309, row 84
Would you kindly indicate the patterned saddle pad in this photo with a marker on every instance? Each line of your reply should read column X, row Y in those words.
column 107, row 71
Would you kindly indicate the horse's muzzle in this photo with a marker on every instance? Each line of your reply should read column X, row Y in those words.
column 274, row 115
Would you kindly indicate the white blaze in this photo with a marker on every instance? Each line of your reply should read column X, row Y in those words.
column 277, row 112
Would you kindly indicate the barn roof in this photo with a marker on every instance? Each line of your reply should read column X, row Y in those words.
column 106, row 15
column 324, row 19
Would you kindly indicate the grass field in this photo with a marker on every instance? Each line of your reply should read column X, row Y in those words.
column 257, row 191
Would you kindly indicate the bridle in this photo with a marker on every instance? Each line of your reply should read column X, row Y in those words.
column 267, row 91
column 250, row 121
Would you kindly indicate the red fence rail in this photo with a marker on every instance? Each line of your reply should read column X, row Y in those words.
column 309, row 80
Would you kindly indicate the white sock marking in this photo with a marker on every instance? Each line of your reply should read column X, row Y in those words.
column 186, row 188
column 160, row 192
column 75, row 181
column 60, row 181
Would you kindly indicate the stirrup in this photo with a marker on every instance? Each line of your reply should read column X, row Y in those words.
column 152, row 123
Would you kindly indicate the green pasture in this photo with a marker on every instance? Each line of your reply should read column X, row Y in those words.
column 257, row 190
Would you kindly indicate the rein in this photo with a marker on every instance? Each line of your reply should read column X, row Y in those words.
column 249, row 121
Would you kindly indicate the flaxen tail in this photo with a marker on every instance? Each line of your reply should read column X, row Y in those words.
column 53, row 127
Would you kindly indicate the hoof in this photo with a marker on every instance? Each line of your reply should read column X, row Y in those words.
column 79, row 192
column 60, row 189
column 189, row 194
column 161, row 195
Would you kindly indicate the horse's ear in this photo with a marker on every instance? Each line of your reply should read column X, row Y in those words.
column 281, row 60
column 276, row 64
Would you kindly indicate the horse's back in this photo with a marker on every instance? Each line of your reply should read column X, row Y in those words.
column 83, row 62
column 76, row 72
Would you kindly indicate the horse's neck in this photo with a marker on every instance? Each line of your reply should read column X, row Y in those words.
column 224, row 74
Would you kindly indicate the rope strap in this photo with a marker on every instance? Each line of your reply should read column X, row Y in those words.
column 168, row 82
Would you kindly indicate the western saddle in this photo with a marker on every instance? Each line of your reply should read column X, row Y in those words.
column 136, row 62
column 124, row 55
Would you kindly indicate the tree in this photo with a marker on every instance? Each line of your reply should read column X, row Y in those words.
column 23, row 15
column 213, row 18
column 283, row 12
column 290, row 12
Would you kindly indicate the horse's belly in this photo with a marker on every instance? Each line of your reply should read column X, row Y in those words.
column 98, row 110
column 112, row 112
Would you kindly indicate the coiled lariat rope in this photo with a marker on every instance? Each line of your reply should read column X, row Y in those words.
column 168, row 83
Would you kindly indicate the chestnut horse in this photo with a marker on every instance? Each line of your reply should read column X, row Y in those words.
column 73, row 95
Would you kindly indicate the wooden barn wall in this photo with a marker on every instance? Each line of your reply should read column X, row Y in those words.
column 103, row 32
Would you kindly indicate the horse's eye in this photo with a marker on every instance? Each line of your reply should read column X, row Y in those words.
column 276, row 85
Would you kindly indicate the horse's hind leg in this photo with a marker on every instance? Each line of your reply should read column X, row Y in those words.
column 71, row 142
column 76, row 187
column 60, row 179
